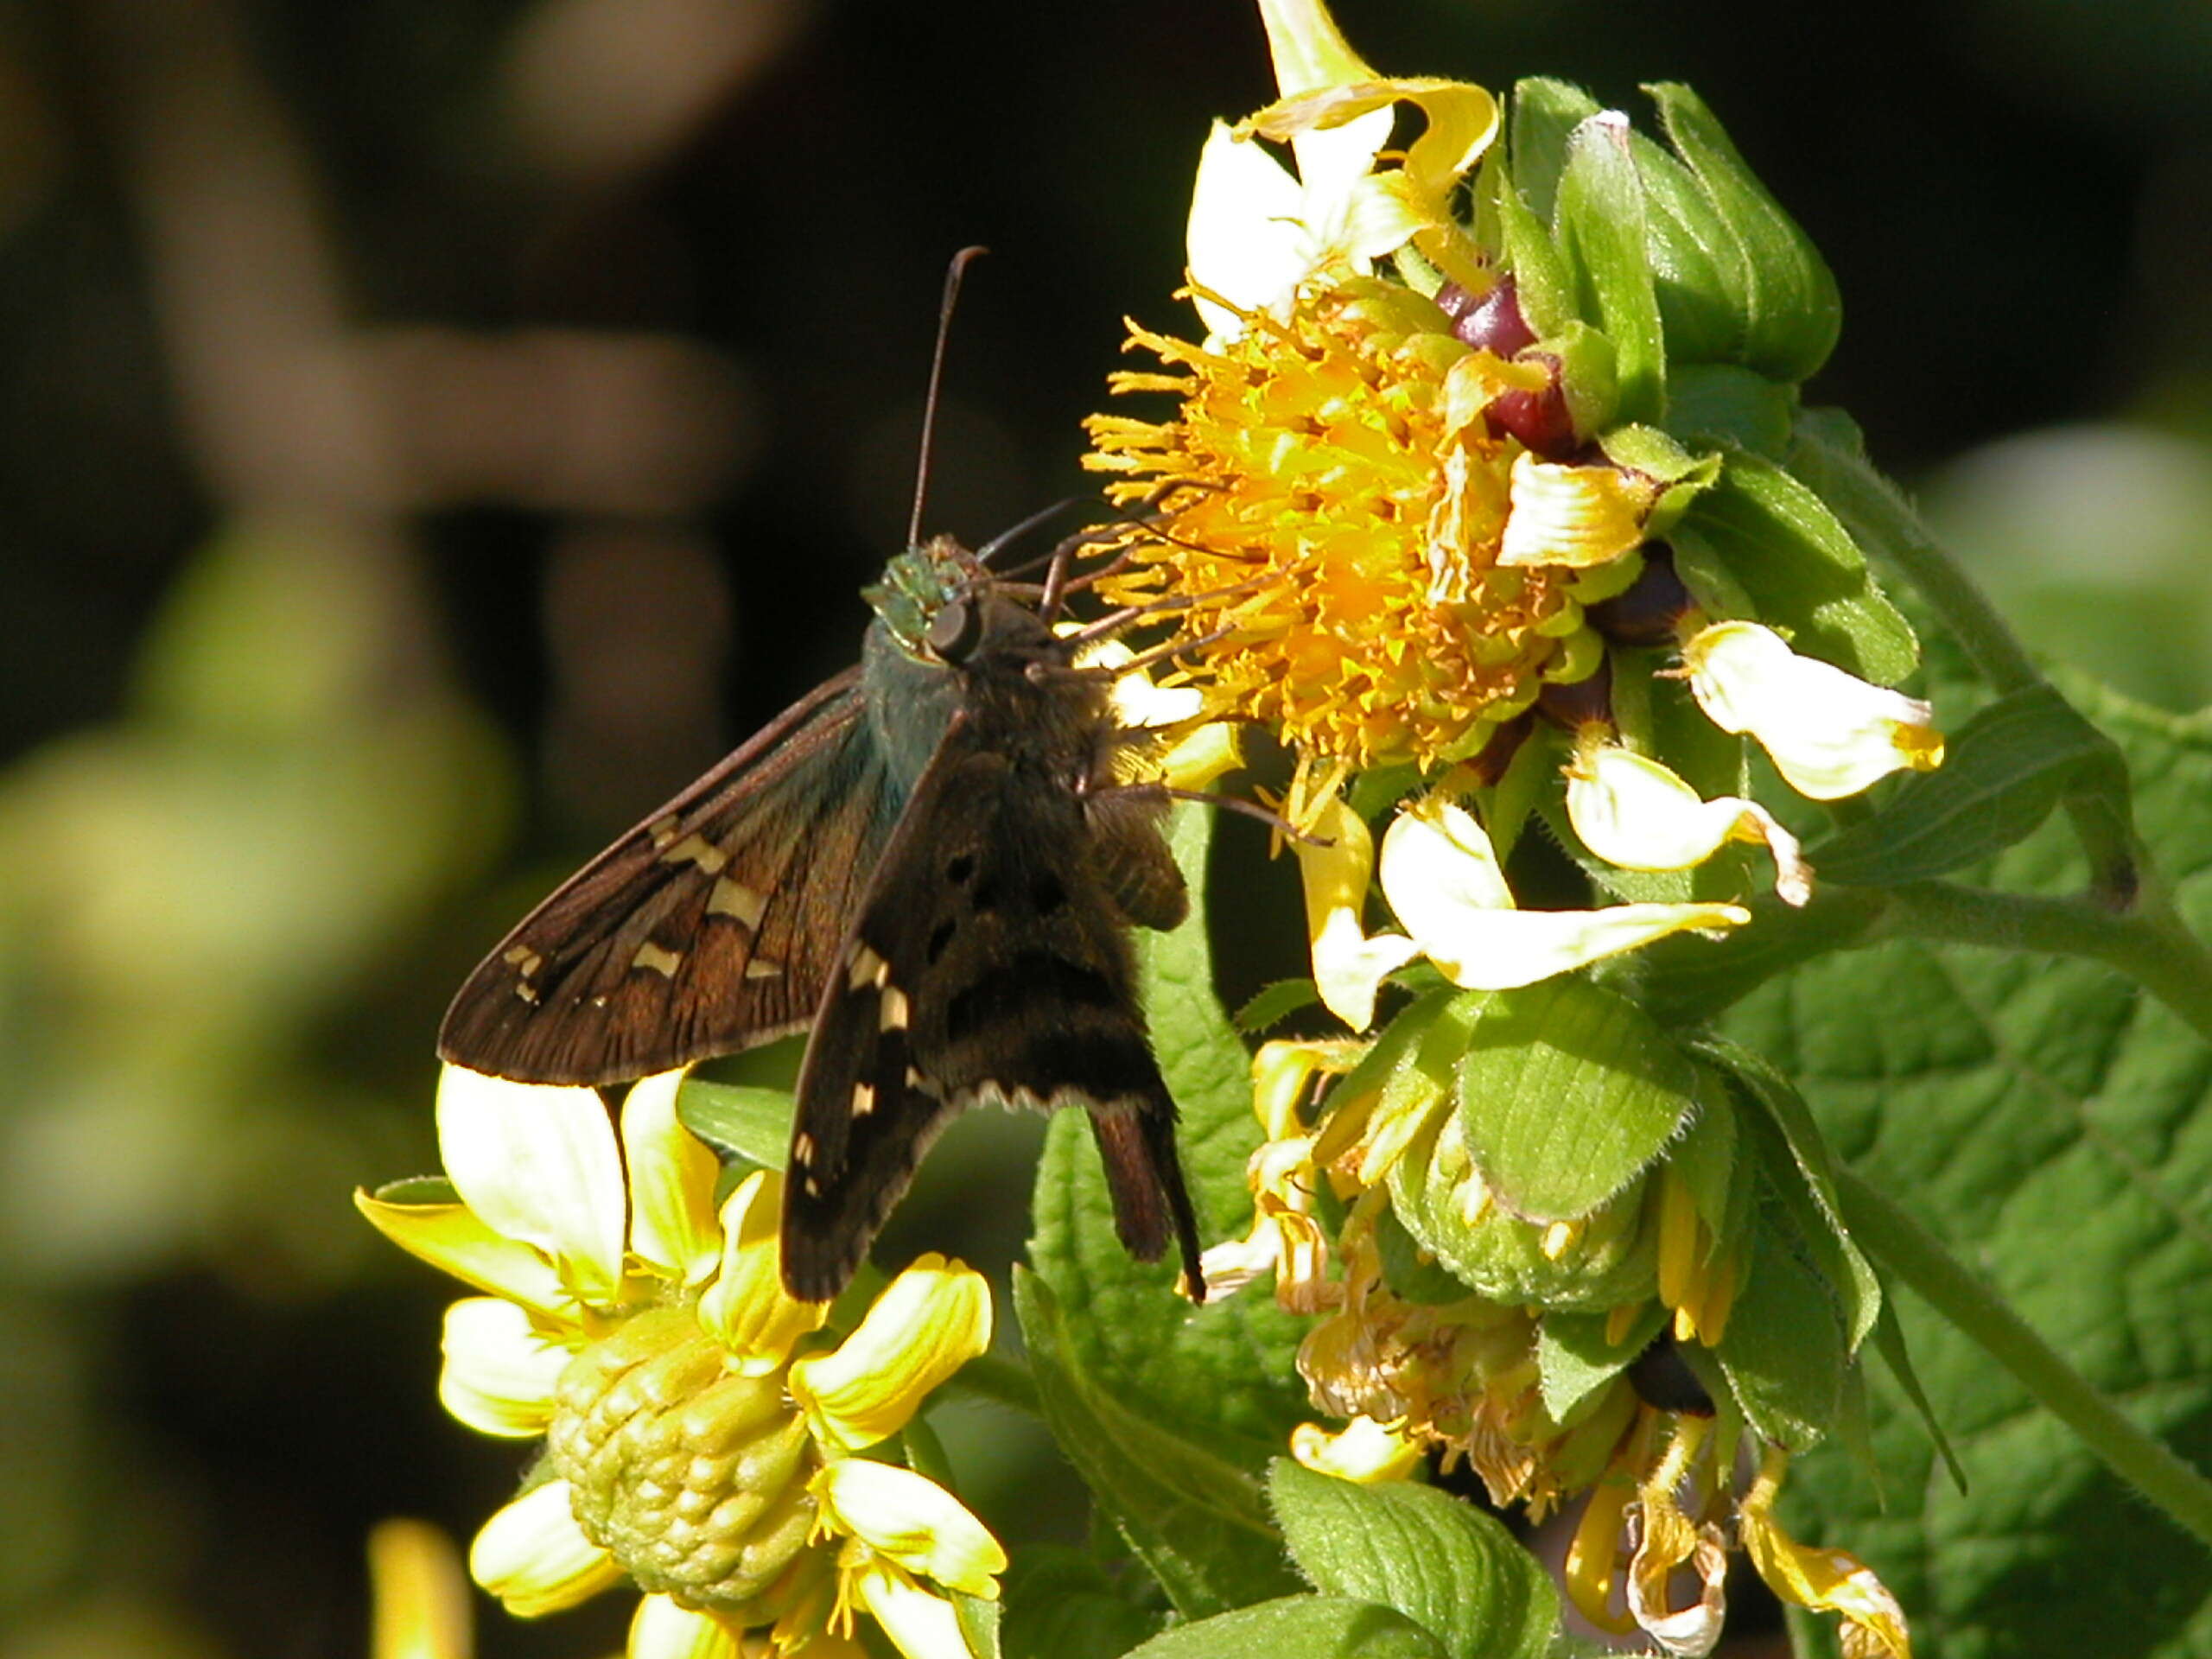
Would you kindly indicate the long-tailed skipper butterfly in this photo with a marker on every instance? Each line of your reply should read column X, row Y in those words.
column 928, row 863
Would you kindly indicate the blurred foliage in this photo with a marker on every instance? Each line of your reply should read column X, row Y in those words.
column 430, row 431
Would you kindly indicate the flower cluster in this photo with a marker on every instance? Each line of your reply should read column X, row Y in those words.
column 701, row 1439
column 1421, row 506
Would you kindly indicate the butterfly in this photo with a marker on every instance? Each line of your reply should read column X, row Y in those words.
column 927, row 863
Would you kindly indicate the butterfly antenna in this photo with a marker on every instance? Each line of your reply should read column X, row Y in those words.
column 959, row 268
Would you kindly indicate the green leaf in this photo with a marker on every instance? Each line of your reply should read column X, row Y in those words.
column 1271, row 1004
column 1792, row 310
column 1599, row 227
column 2055, row 1127
column 1225, row 1374
column 1567, row 1093
column 1062, row 1603
column 1689, row 979
column 1544, row 111
column 1299, row 1627
column 1195, row 1520
column 1543, row 282
column 1412, row 1276
column 1573, row 1359
column 1696, row 262
column 1757, row 534
column 1720, row 404
column 1453, row 1570
column 737, row 1120
column 1784, row 1349
column 2002, row 774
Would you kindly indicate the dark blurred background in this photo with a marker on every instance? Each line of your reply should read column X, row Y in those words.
column 433, row 430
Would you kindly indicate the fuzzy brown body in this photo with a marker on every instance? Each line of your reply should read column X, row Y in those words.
column 933, row 862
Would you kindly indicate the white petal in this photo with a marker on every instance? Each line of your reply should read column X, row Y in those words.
column 661, row 1630
column 539, row 1164
column 1829, row 733
column 1333, row 870
column 1442, row 879
column 1637, row 814
column 1245, row 240
column 500, row 1370
column 920, row 1624
column 1332, row 164
column 534, row 1557
column 672, row 1223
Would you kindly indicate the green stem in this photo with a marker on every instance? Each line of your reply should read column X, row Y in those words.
column 2150, row 945
column 1002, row 1378
column 1919, row 1259
column 1876, row 513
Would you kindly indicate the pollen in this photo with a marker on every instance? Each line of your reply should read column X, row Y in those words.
column 1328, row 506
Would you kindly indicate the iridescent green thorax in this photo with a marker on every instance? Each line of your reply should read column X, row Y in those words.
column 916, row 584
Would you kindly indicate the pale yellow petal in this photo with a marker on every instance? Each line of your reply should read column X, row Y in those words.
column 1364, row 1451
column 930, row 1321
column 1309, row 50
column 1442, row 879
column 1829, row 733
column 419, row 1595
column 534, row 1557
column 1575, row 516
column 921, row 1624
column 500, row 1370
column 746, row 1307
column 673, row 1229
column 539, row 1165
column 913, row 1521
column 1635, row 814
column 661, row 1630
column 454, row 1239
column 1246, row 240
column 1334, row 869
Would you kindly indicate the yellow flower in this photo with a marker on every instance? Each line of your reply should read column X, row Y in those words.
column 1636, row 814
column 650, row 1339
column 1829, row 733
column 1364, row 1451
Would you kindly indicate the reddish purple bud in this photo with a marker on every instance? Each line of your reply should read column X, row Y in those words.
column 1494, row 322
column 1539, row 419
column 1587, row 702
column 1651, row 611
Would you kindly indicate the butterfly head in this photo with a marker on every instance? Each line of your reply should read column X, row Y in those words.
column 930, row 583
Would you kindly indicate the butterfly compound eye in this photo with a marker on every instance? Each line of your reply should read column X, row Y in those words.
column 956, row 629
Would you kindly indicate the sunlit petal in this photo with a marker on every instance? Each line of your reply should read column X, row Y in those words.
column 1829, row 733
column 536, row 1559
column 1348, row 967
column 746, row 1306
column 672, row 1223
column 921, row 1626
column 1363, row 1451
column 913, row 1521
column 452, row 1238
column 931, row 1320
column 661, row 1630
column 419, row 1592
column 500, row 1370
column 1246, row 241
column 539, row 1165
column 1635, row 813
column 1442, row 879
column 1577, row 516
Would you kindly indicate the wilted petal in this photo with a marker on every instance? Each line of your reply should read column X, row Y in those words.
column 930, row 1321
column 452, row 1238
column 1349, row 966
column 1829, row 733
column 913, row 1521
column 499, row 1368
column 1575, row 516
column 672, row 1225
column 1363, row 1451
column 1246, row 242
column 1309, row 50
column 1825, row 1581
column 746, row 1306
column 661, row 1630
column 534, row 1557
column 1635, row 813
column 539, row 1164
column 1442, row 879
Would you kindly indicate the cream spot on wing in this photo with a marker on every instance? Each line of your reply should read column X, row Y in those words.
column 526, row 991
column 913, row 1078
column 657, row 960
column 868, row 969
column 695, row 848
column 863, row 1099
column 893, row 1015
column 813, row 1187
column 761, row 968
column 663, row 830
column 732, row 897
column 802, row 1147
column 599, row 1001
column 523, row 960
